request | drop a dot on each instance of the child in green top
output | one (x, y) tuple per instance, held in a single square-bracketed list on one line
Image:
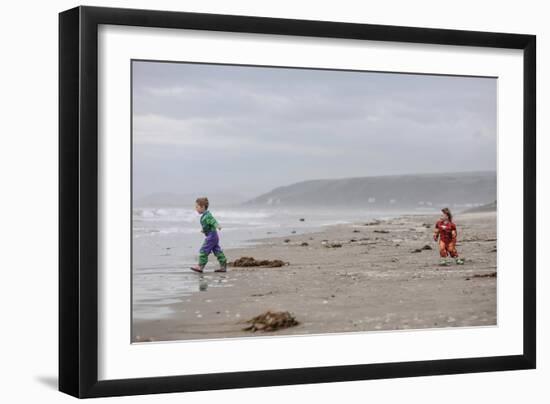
[(211, 242)]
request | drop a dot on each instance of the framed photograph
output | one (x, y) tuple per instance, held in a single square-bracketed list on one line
[(250, 201)]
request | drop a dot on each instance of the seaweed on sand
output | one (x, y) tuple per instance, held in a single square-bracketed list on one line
[(271, 321), (487, 275), (252, 262)]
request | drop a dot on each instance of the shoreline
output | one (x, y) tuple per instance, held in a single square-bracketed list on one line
[(349, 277)]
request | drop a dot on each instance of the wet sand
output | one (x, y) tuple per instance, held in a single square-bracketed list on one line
[(372, 281)]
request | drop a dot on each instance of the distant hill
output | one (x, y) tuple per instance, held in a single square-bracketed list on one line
[(388, 192)]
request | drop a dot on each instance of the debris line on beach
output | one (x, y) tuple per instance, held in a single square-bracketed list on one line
[(252, 262), (331, 244), (271, 321), (489, 275)]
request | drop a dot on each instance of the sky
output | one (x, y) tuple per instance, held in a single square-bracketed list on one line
[(203, 128)]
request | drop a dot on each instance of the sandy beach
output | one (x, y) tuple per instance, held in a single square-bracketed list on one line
[(379, 275)]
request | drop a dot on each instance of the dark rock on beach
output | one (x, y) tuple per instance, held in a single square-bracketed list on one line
[(423, 248)]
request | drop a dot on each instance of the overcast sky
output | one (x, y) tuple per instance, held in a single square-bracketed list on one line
[(203, 129)]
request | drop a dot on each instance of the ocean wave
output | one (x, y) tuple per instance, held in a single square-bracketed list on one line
[(165, 214), (164, 230), (334, 222), (227, 214), (190, 215)]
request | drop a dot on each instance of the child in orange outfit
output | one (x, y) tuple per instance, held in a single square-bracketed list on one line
[(445, 231)]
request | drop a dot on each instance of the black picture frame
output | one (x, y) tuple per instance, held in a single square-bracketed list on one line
[(78, 201)]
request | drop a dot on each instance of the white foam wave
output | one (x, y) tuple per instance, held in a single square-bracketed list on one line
[(189, 215)]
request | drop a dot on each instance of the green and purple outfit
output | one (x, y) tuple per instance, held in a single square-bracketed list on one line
[(211, 243)]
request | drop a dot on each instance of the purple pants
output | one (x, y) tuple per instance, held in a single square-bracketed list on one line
[(211, 244)]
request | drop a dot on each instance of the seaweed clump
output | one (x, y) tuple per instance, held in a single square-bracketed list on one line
[(271, 321), (252, 262)]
